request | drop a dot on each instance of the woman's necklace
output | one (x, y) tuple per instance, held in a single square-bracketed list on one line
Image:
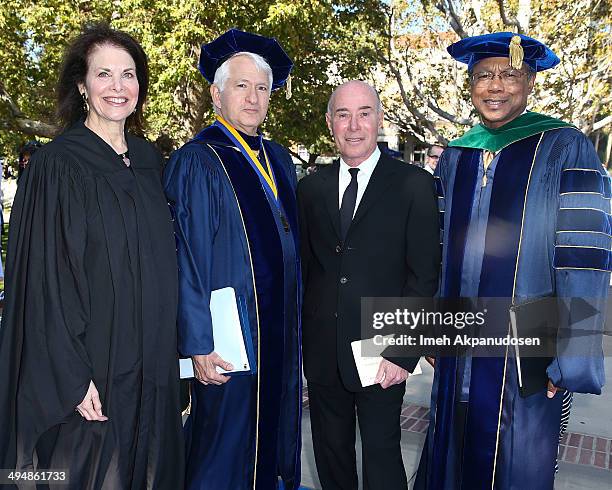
[(125, 157), (105, 136)]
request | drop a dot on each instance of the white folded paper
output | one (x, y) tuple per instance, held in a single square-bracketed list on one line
[(367, 366), (228, 336)]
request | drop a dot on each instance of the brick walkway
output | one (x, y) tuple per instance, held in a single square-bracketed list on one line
[(575, 448), (586, 450)]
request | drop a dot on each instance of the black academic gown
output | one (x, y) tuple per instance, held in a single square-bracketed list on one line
[(91, 291)]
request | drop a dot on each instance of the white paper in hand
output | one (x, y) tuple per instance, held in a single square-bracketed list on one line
[(367, 367), (227, 333)]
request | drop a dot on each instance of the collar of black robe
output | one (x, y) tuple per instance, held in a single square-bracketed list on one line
[(213, 134), (82, 140), (254, 142)]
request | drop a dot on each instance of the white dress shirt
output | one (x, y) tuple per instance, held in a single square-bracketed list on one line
[(363, 177)]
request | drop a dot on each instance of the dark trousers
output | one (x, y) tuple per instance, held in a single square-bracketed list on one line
[(332, 419)]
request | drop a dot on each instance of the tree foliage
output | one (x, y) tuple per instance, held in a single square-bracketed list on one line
[(398, 44), (327, 40), (430, 96)]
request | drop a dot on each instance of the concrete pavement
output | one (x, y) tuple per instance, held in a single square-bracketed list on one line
[(589, 435)]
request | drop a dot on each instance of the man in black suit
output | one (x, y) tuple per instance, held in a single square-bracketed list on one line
[(369, 228)]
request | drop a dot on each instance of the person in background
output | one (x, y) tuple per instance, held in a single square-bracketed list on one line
[(88, 365), (25, 154), (2, 178), (433, 155), (1, 224)]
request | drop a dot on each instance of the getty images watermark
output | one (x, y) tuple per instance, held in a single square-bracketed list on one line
[(431, 321), (486, 327)]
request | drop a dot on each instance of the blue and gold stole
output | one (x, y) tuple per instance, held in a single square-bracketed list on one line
[(265, 173)]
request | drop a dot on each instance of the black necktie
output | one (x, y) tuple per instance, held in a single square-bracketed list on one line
[(347, 208)]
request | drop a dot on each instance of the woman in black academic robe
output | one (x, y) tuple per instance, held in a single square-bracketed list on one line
[(88, 364)]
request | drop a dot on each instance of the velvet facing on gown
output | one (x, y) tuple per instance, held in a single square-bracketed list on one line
[(482, 434), (246, 433)]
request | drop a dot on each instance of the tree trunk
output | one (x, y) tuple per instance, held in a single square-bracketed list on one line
[(408, 149), (524, 15), (30, 127)]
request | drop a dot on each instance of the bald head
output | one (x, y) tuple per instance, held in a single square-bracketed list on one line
[(352, 85), (354, 117)]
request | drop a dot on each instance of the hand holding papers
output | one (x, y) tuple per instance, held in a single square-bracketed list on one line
[(232, 340), (206, 369), (367, 367)]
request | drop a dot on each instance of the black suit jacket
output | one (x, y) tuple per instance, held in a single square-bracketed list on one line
[(392, 248)]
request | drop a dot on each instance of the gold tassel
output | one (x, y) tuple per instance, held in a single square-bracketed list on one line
[(516, 53), (288, 88)]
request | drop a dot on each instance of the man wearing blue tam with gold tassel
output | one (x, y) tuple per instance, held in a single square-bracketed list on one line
[(232, 196), (525, 208)]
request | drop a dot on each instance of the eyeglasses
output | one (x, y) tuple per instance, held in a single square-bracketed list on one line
[(507, 77)]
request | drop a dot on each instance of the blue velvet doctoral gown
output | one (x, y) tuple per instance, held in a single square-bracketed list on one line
[(538, 225), (246, 433)]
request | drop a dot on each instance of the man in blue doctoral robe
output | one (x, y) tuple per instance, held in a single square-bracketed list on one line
[(524, 206), (232, 195)]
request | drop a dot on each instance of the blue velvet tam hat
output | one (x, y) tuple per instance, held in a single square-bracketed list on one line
[(235, 41), (517, 47)]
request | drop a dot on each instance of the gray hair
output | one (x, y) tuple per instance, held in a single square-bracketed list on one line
[(330, 103), (222, 73)]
